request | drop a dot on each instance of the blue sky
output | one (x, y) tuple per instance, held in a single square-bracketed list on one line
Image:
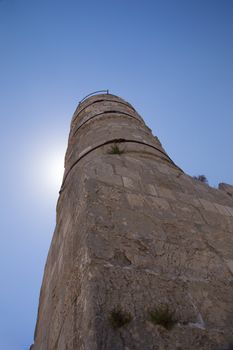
[(172, 59)]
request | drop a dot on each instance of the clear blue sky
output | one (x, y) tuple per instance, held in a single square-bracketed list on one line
[(173, 60)]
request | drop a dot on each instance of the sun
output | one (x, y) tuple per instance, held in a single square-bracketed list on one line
[(48, 170), (53, 170), (44, 167)]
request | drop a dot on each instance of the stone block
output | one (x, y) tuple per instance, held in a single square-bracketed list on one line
[(230, 265), (208, 205), (165, 193), (150, 189), (230, 209), (130, 183), (222, 209), (135, 200), (126, 172), (160, 203), (114, 180)]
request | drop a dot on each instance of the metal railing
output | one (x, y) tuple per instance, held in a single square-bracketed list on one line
[(94, 93)]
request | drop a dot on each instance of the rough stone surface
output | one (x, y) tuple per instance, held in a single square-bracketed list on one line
[(134, 233)]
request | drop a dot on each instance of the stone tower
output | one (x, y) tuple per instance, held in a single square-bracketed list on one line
[(142, 254)]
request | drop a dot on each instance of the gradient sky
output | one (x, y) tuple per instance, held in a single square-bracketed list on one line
[(173, 60)]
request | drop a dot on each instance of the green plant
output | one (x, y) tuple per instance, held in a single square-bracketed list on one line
[(115, 150), (201, 178), (163, 316), (119, 318)]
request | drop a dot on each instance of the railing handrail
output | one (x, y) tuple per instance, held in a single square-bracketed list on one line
[(93, 93)]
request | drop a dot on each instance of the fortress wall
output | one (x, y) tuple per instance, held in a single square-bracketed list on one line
[(134, 232)]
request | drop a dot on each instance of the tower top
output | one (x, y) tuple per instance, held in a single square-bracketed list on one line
[(94, 93)]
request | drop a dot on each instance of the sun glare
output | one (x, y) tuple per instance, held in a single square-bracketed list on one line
[(49, 172), (44, 167), (53, 171)]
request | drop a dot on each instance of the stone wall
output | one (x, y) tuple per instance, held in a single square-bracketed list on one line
[(135, 237)]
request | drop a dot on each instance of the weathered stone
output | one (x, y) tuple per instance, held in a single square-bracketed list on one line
[(226, 188), (134, 233)]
